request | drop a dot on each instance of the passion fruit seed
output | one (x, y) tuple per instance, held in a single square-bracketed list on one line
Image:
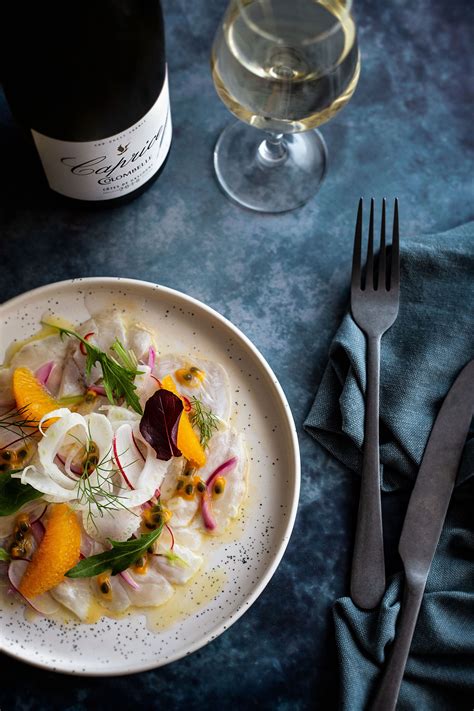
[(201, 486), (24, 526), (189, 489), (105, 587), (17, 551), (219, 486), (179, 485), (7, 455)]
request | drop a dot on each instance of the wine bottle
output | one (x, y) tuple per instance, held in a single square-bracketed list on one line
[(88, 78)]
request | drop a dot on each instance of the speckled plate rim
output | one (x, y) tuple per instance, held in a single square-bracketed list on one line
[(295, 459)]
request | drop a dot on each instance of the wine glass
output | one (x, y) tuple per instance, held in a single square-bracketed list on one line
[(284, 67)]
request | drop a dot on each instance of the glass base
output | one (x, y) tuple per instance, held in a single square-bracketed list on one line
[(269, 173)]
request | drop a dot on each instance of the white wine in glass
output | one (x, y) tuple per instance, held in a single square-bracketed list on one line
[(284, 67)]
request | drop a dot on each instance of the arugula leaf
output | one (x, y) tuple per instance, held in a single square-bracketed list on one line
[(122, 555), (14, 494), (117, 377), (4, 555)]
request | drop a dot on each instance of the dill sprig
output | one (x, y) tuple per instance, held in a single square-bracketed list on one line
[(204, 419), (98, 496), (16, 423), (118, 373)]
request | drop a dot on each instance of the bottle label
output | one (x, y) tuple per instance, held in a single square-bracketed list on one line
[(109, 167)]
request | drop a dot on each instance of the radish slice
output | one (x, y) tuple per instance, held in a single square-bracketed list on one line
[(123, 452), (222, 469), (43, 373), (170, 531), (44, 604), (128, 579), (137, 447), (82, 347)]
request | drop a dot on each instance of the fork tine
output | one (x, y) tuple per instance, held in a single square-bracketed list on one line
[(382, 277), (395, 267), (355, 280), (369, 271)]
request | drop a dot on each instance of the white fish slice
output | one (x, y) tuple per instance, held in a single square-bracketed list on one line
[(74, 595), (118, 601), (224, 446), (179, 565), (153, 589), (33, 355), (139, 340), (118, 525), (213, 391)]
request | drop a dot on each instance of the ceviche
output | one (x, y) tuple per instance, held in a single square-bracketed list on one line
[(116, 461)]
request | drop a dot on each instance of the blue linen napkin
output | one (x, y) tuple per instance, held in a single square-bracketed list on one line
[(422, 353)]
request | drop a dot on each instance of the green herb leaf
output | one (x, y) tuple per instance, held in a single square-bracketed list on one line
[(122, 555), (175, 559), (14, 494), (204, 419), (4, 555), (126, 357), (117, 378)]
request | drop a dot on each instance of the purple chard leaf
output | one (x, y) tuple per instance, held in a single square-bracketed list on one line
[(159, 424)]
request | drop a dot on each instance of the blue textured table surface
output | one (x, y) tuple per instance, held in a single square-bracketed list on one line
[(284, 281)]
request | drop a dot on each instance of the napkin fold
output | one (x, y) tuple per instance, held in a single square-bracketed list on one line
[(432, 339)]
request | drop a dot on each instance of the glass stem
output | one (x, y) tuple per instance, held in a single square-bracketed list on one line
[(272, 151)]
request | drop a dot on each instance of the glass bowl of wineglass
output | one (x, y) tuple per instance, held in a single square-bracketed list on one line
[(282, 68)]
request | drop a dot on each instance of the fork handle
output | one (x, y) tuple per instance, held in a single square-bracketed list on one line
[(387, 693), (368, 567)]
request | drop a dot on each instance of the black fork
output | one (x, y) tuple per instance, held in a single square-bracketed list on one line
[(374, 306)]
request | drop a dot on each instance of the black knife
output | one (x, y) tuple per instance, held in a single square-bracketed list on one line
[(424, 520)]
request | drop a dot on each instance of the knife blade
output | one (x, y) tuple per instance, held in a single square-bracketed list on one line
[(434, 484), (424, 521)]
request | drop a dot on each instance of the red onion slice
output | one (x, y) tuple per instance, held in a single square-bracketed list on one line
[(206, 510), (128, 579), (97, 389), (43, 373), (38, 530), (151, 357), (40, 516), (222, 469)]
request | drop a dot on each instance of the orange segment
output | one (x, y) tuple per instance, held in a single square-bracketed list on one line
[(56, 554), (31, 397), (188, 441)]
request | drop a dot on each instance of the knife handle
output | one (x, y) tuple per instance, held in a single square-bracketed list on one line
[(368, 567), (387, 694)]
